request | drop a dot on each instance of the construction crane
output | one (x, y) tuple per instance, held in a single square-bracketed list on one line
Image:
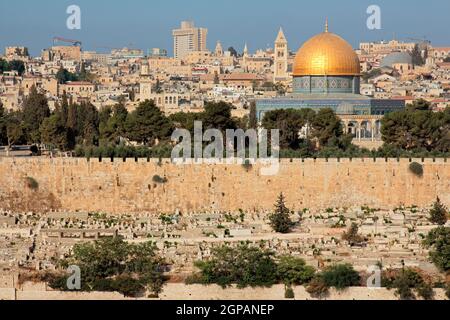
[(73, 42)]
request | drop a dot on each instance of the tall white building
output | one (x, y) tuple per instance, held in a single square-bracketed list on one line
[(188, 39)]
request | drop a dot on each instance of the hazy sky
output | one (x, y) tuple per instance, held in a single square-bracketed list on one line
[(148, 23)]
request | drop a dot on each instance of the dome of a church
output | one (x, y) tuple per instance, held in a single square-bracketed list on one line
[(396, 58), (326, 54)]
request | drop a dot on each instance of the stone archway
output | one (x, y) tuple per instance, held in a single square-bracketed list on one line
[(365, 130), (352, 128)]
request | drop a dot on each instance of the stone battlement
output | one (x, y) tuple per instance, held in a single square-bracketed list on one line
[(39, 160)]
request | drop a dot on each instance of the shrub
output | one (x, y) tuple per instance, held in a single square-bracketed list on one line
[(438, 240), (426, 291), (165, 219), (289, 293), (280, 220), (43, 276), (340, 276), (294, 271), (352, 236), (111, 264), (128, 286), (124, 284), (317, 288), (158, 179), (243, 265), (404, 291), (439, 213), (405, 281), (58, 282), (416, 168), (32, 183)]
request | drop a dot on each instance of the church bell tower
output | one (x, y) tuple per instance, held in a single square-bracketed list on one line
[(281, 58)]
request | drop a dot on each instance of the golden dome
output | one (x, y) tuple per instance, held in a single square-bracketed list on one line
[(326, 54)]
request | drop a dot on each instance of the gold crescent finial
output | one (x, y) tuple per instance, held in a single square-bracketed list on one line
[(326, 25)]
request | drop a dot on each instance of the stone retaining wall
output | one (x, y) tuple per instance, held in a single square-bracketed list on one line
[(161, 186)]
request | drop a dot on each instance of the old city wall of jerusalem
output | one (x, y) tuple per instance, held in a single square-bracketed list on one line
[(159, 186)]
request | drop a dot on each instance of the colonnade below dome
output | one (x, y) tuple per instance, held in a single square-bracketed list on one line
[(363, 128)]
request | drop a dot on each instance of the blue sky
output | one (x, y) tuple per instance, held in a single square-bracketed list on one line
[(148, 23)]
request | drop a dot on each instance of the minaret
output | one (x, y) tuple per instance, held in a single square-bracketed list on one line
[(145, 83), (219, 50), (245, 56), (326, 25), (281, 58), (245, 50)]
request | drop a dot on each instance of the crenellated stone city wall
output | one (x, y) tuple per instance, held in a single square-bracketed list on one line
[(77, 184)]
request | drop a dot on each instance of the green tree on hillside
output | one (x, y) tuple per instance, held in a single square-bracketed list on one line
[(4, 66), (35, 110), (88, 121), (438, 240), (244, 266), (289, 122), (252, 120), (280, 220), (63, 109), (54, 133), (340, 276), (63, 76), (405, 281), (3, 132), (111, 264), (83, 75), (439, 213), (15, 131), (147, 124), (217, 115), (16, 65), (418, 105), (414, 129), (327, 128), (294, 271), (72, 116), (112, 123), (185, 120)]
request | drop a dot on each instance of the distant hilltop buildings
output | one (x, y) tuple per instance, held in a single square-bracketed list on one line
[(386, 46), (380, 76)]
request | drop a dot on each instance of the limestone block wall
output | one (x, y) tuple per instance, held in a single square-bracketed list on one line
[(129, 186), (180, 291)]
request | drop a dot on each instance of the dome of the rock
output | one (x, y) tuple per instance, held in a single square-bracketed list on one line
[(326, 54)]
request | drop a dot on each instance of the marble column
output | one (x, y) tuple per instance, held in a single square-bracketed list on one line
[(372, 129)]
